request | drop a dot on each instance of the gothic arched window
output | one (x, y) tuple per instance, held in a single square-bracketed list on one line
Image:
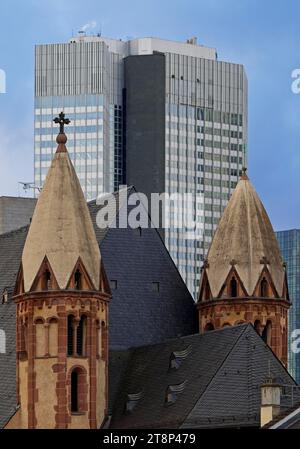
[(71, 335), (78, 384), (81, 336), (209, 327), (47, 280), (266, 333), (257, 326), (74, 391), (78, 280), (264, 288), (233, 288)]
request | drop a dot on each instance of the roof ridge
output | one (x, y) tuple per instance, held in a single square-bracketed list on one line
[(14, 231), (246, 326), (182, 337)]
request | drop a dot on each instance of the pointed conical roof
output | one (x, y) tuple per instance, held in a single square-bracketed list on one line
[(61, 228), (244, 238)]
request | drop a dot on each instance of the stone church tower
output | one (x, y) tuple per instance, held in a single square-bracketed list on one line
[(62, 297), (243, 278)]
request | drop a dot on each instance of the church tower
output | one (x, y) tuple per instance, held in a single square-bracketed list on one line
[(62, 298), (243, 277)]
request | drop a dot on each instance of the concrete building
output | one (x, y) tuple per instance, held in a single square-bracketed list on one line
[(163, 116), (289, 242), (15, 212)]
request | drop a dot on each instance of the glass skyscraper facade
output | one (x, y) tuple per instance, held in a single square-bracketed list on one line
[(206, 143), (289, 242), (85, 80), (164, 116)]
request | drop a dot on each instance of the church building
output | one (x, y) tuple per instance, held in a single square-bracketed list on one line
[(170, 363)]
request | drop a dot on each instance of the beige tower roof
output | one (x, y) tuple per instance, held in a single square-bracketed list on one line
[(244, 237), (61, 227)]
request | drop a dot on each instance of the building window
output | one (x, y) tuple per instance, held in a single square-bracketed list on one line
[(81, 336), (78, 280), (40, 341), (70, 335), (74, 391), (23, 339), (132, 401), (53, 337), (47, 280), (266, 333), (209, 327), (257, 326), (78, 393), (264, 288), (5, 297), (233, 288), (113, 284), (155, 287)]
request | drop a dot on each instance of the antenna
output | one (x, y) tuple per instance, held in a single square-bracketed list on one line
[(99, 34)]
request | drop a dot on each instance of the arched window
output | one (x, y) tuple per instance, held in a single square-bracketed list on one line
[(266, 333), (81, 336), (78, 394), (78, 280), (233, 288), (207, 291), (209, 327), (70, 335), (257, 326), (74, 391), (264, 288), (47, 280)]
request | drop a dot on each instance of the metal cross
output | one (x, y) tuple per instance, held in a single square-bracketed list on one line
[(62, 121)]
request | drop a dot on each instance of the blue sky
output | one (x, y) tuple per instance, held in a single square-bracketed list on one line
[(262, 35)]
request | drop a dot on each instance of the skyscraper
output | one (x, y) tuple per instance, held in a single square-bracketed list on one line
[(289, 243), (161, 115)]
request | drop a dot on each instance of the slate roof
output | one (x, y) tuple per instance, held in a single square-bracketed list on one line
[(138, 314), (222, 376), (11, 246)]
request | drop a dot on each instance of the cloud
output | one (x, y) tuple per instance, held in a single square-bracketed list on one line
[(89, 26)]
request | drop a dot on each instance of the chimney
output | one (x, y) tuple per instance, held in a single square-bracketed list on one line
[(270, 401)]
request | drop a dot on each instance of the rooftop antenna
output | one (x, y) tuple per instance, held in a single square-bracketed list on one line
[(99, 34)]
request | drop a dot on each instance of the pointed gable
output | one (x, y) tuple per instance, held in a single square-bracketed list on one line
[(61, 227), (245, 236)]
